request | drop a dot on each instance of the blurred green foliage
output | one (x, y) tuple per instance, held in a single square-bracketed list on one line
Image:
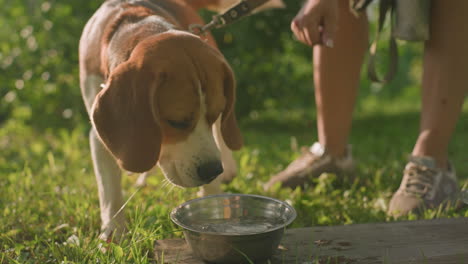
[(39, 62)]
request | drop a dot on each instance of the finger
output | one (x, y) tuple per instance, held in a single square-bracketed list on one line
[(307, 38), (312, 33), (300, 37), (306, 31), (295, 28)]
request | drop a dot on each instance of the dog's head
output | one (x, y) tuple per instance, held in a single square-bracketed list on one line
[(160, 106)]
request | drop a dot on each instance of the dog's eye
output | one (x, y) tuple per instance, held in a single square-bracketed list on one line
[(179, 124)]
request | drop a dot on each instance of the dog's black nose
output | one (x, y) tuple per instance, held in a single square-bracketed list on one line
[(210, 170)]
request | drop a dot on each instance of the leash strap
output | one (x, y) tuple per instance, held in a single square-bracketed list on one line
[(244, 8), (386, 6)]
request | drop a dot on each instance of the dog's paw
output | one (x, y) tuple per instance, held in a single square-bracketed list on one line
[(112, 235), (114, 230)]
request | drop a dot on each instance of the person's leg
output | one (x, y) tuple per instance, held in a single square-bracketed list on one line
[(336, 76), (445, 79), (428, 179)]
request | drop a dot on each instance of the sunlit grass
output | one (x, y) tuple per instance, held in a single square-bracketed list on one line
[(49, 207)]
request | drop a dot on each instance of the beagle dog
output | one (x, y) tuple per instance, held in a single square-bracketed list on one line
[(156, 95), (167, 98)]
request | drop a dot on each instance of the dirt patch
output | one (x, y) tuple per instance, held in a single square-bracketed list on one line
[(322, 242)]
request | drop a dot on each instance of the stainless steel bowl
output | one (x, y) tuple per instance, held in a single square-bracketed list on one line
[(233, 228)]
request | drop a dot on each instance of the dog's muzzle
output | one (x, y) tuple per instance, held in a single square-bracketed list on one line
[(210, 170)]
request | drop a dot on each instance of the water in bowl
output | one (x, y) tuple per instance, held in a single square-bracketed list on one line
[(238, 226)]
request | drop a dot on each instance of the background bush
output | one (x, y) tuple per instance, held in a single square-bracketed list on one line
[(39, 62)]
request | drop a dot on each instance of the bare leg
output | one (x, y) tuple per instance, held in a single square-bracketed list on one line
[(444, 87), (336, 76), (445, 79)]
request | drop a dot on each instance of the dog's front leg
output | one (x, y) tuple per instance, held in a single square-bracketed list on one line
[(142, 178), (213, 187), (108, 176), (229, 164)]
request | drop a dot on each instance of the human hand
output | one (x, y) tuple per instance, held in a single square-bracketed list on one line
[(316, 22)]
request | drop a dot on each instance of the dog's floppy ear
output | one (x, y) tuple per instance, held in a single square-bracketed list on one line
[(124, 116), (229, 127)]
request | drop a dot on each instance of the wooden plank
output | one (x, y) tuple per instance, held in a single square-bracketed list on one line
[(425, 241)]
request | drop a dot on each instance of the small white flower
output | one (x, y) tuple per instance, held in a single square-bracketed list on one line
[(73, 240)]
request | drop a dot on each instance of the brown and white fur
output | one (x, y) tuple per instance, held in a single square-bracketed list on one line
[(167, 99)]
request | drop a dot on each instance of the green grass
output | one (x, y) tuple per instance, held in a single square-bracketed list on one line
[(48, 195)]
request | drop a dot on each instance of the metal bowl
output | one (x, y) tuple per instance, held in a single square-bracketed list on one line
[(233, 228)]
